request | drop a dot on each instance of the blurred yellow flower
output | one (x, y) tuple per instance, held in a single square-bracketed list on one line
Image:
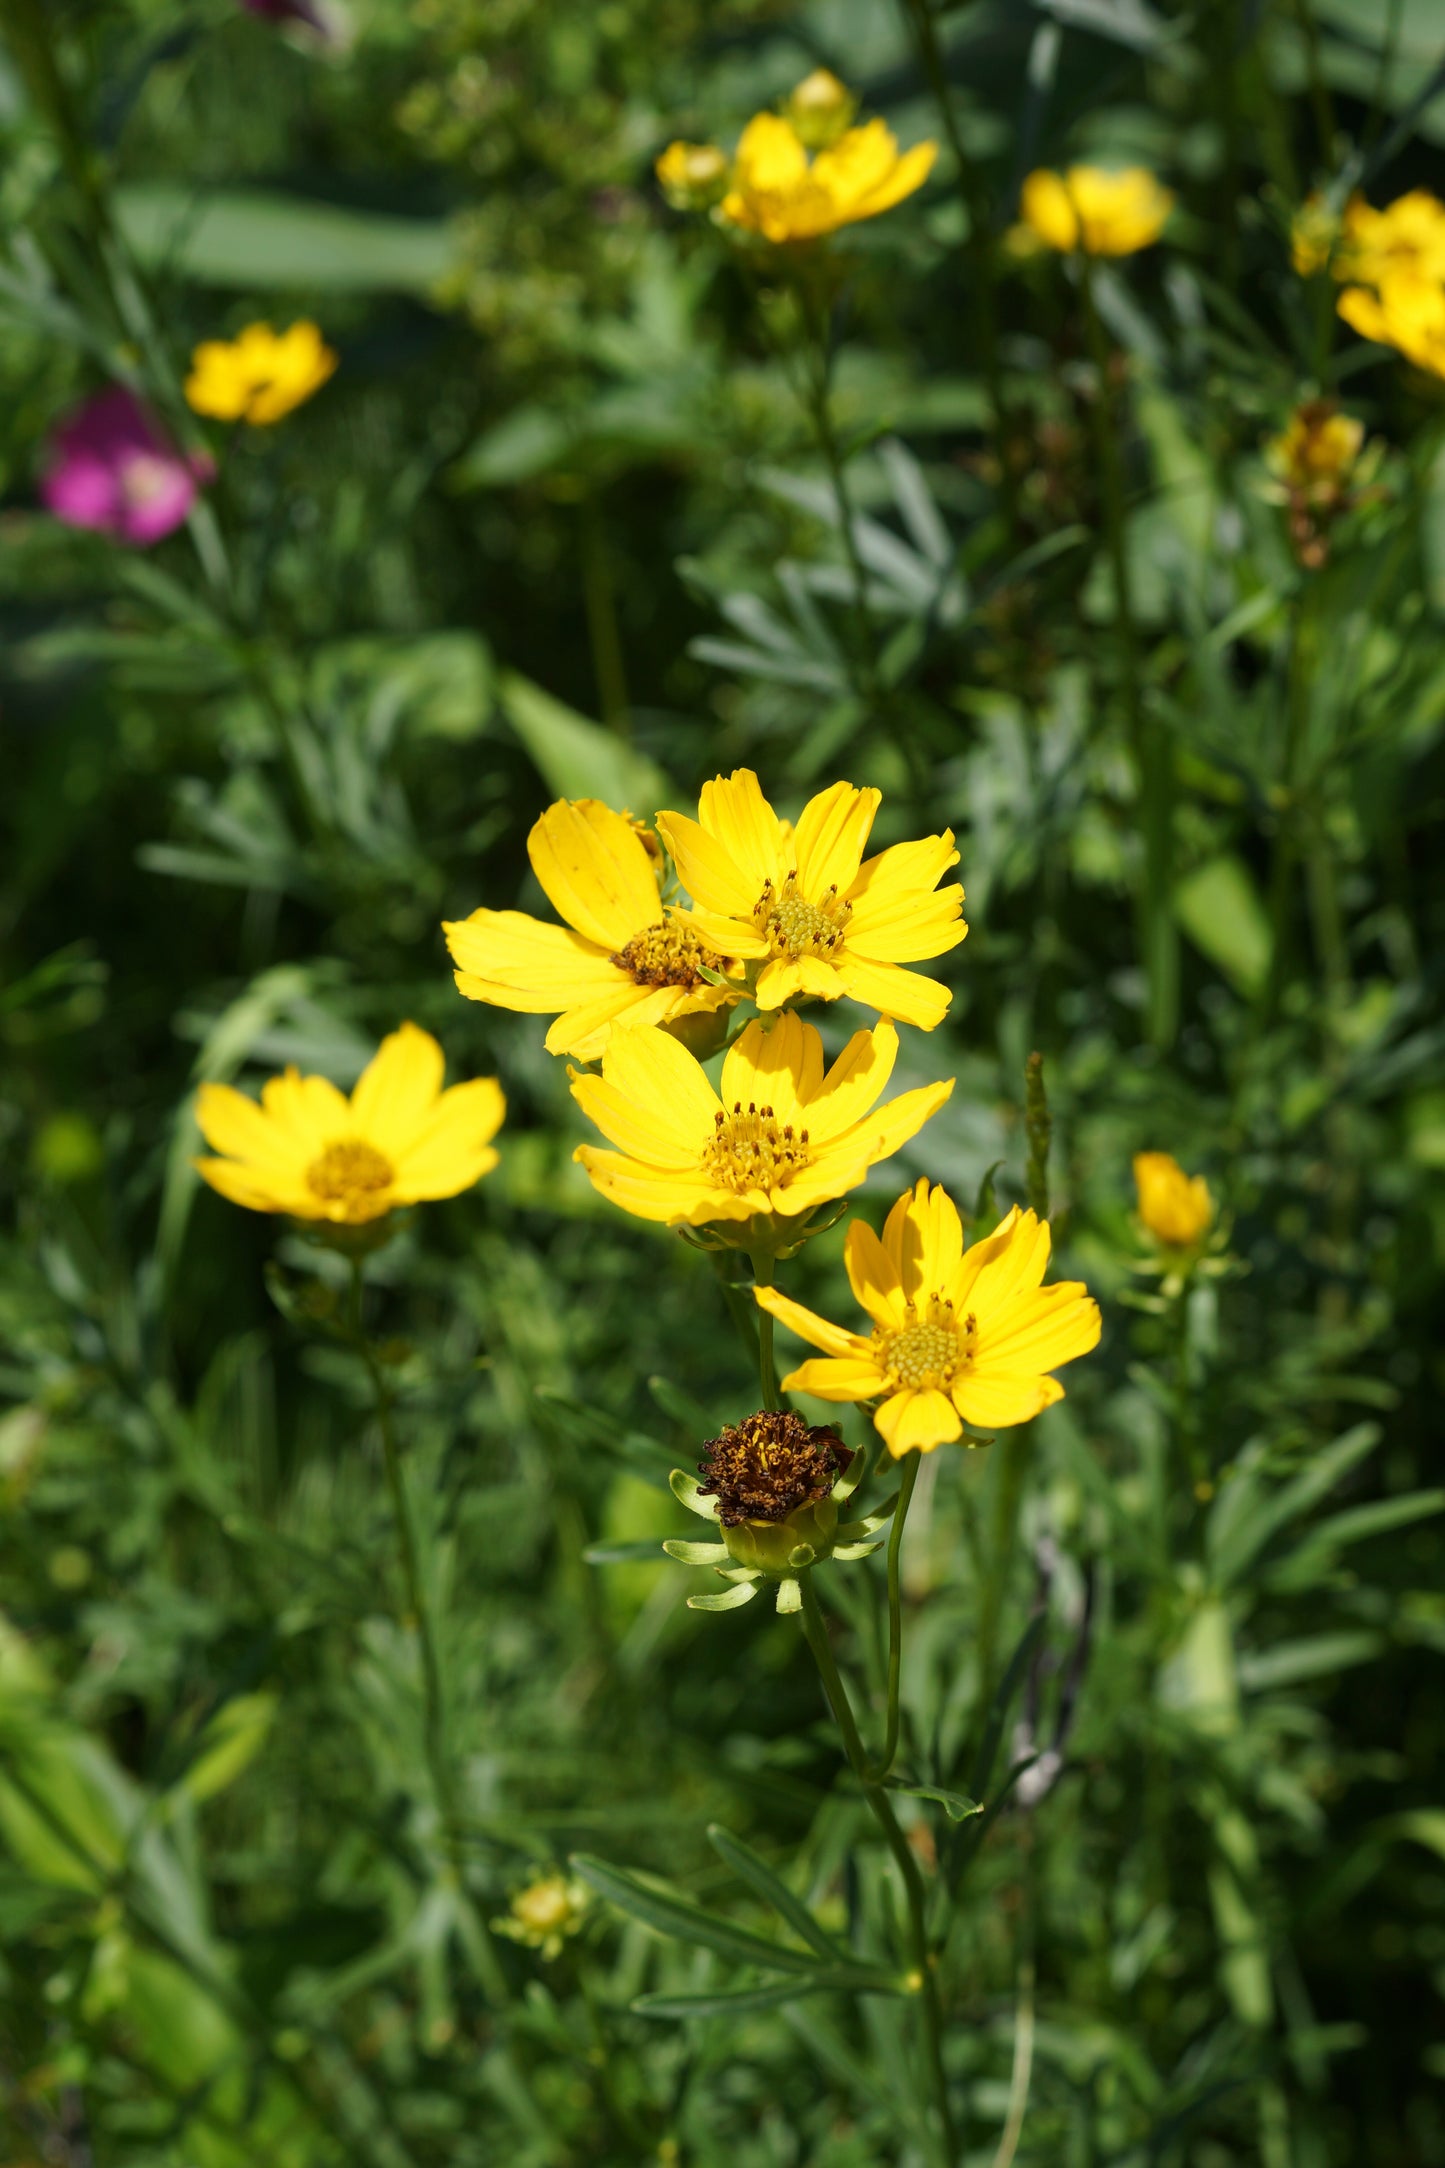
[(1175, 1207), (1102, 212), (1407, 238), (782, 1138), (546, 1913), (620, 957), (805, 904), (820, 109), (310, 1151), (1407, 312), (260, 376), (1314, 234), (1316, 451), (693, 176), (778, 193), (959, 1336)]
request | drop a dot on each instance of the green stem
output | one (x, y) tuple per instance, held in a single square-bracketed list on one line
[(418, 1620), (767, 1367), (816, 1630), (1158, 938), (1286, 844), (908, 1476)]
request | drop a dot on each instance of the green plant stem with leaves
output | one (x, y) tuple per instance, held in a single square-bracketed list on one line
[(1153, 758), (817, 358)]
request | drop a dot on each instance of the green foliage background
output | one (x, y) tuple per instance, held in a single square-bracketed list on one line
[(559, 526)]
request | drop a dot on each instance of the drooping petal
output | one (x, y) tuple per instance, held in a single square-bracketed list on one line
[(995, 1400), (915, 1420), (830, 838), (595, 872), (808, 1325), (782, 979), (397, 1091), (670, 1195), (906, 996), (584, 1031), (515, 961), (453, 1149), (831, 1378)]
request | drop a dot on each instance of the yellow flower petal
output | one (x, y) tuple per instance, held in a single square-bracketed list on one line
[(900, 915), (923, 1237), (830, 838), (734, 810), (709, 873), (827, 1378), (1012, 1265), (453, 1150), (906, 996), (255, 1188), (233, 1124), (584, 1031), (855, 1081), (310, 1109), (915, 1421), (657, 1193), (1053, 1325), (595, 872), (518, 962), (398, 1089), (996, 1401), (807, 1324), (782, 980), (873, 1277), (652, 1099), (781, 1068)]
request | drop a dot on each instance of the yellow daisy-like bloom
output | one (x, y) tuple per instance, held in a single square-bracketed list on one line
[(804, 903), (309, 1150), (1317, 449), (1104, 213), (782, 1138), (260, 376), (693, 176), (1407, 312), (959, 1336), (546, 1914), (1407, 238), (778, 193), (1175, 1207), (620, 958)]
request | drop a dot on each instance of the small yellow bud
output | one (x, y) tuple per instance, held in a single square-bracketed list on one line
[(1314, 231), (1175, 1207), (693, 176), (546, 1913), (821, 109)]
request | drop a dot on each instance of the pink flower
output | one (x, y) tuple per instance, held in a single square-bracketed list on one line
[(111, 468)]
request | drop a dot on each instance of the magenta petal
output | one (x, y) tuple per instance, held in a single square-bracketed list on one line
[(113, 469)]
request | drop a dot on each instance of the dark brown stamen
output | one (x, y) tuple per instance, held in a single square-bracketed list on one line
[(768, 1465)]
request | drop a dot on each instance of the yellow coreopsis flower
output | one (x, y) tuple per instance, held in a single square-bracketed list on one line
[(1317, 449), (783, 1137), (260, 376), (959, 1335), (309, 1150), (1102, 212), (1407, 312), (805, 905), (546, 1914), (779, 193), (1406, 238), (619, 958), (1175, 1207), (693, 176)]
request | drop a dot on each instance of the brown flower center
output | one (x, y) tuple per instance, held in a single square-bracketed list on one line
[(796, 927), (354, 1175), (768, 1466), (930, 1349), (666, 955), (751, 1149)]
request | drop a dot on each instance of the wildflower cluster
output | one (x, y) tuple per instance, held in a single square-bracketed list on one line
[(1391, 266)]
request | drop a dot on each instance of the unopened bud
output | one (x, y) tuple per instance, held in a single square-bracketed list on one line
[(693, 176), (820, 109)]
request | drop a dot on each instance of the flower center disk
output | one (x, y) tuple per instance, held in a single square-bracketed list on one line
[(352, 1174), (768, 1465), (930, 1349), (797, 927), (751, 1149), (665, 955)]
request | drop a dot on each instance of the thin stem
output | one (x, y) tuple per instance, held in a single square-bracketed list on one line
[(418, 1620), (908, 1476), (1286, 847), (816, 1630), (767, 1367), (818, 364), (1158, 940)]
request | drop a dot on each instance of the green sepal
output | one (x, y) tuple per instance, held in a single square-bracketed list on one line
[(687, 1491), (729, 1601), (695, 1554), (852, 1475), (847, 1552), (802, 1554), (790, 1596)]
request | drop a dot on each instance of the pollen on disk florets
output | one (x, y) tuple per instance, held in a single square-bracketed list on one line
[(931, 1348), (768, 1466), (751, 1149), (352, 1174), (797, 927), (665, 955)]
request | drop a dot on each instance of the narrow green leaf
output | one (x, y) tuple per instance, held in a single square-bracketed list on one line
[(734, 2001), (956, 1805), (685, 1922), (760, 1878), (1236, 1541)]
